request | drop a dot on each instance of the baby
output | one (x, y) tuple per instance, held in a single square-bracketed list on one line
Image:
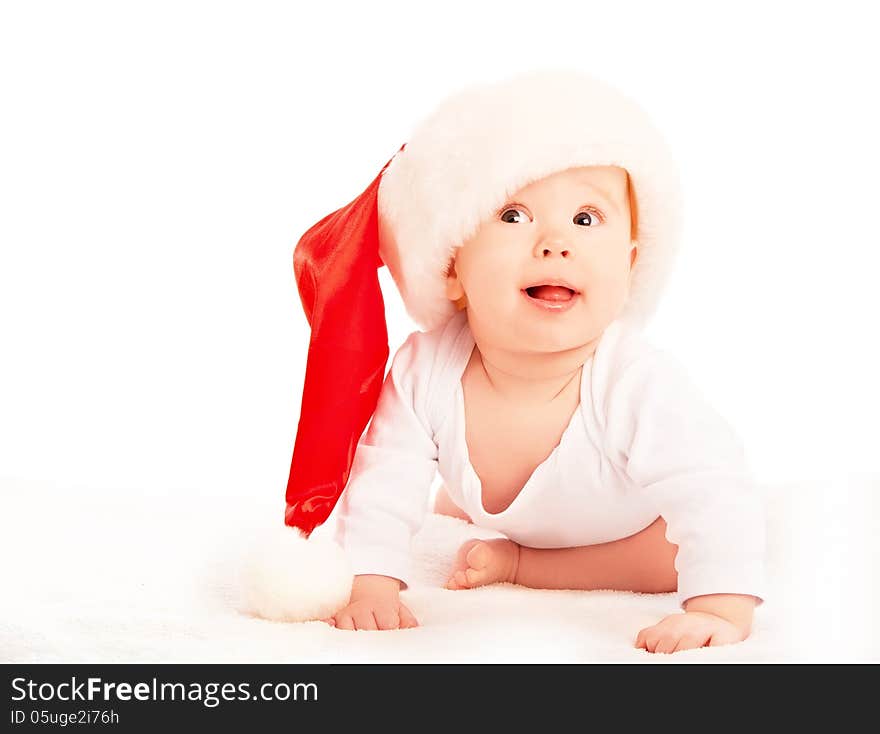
[(555, 424)]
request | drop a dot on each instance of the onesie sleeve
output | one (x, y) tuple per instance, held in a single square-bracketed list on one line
[(386, 497), (687, 460)]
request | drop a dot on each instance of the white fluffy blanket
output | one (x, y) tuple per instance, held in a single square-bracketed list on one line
[(91, 576)]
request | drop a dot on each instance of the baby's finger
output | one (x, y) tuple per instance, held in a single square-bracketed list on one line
[(667, 643), (688, 642), (407, 619), (387, 619), (330, 621), (364, 620), (461, 580), (474, 576), (344, 622), (651, 640), (640, 639)]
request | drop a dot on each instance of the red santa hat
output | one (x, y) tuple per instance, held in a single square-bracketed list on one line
[(460, 165)]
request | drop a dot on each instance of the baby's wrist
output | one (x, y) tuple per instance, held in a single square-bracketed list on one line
[(374, 585), (738, 609)]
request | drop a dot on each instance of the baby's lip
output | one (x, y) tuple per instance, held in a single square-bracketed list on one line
[(552, 281)]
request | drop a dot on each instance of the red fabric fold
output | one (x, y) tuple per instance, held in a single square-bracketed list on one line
[(336, 265)]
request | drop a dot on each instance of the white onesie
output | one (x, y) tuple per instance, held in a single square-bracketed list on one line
[(642, 443)]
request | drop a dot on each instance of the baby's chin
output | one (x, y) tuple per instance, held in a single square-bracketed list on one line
[(524, 327), (561, 345), (551, 339)]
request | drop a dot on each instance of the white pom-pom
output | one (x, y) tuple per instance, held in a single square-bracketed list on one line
[(289, 578)]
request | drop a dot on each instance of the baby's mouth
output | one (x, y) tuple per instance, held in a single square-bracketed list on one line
[(550, 292)]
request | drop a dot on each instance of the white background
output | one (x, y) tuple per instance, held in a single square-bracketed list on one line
[(159, 161)]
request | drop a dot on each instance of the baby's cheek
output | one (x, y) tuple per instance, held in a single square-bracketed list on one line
[(607, 295)]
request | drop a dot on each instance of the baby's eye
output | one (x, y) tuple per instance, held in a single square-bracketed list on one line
[(592, 218), (509, 209)]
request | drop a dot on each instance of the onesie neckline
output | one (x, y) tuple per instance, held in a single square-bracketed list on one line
[(473, 491)]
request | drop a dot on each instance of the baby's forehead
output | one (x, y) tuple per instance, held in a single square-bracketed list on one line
[(607, 180), (597, 175), (610, 179)]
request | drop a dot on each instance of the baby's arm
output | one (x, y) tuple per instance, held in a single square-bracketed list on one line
[(687, 461), (386, 497)]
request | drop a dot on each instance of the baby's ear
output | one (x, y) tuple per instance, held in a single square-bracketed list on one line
[(453, 285), (454, 290)]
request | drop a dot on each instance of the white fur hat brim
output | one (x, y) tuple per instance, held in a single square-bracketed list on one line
[(488, 141)]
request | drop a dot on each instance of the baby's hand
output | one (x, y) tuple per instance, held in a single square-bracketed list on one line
[(374, 605), (687, 630)]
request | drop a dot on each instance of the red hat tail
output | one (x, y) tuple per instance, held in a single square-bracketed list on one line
[(336, 264)]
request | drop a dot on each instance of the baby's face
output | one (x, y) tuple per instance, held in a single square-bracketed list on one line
[(573, 225)]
